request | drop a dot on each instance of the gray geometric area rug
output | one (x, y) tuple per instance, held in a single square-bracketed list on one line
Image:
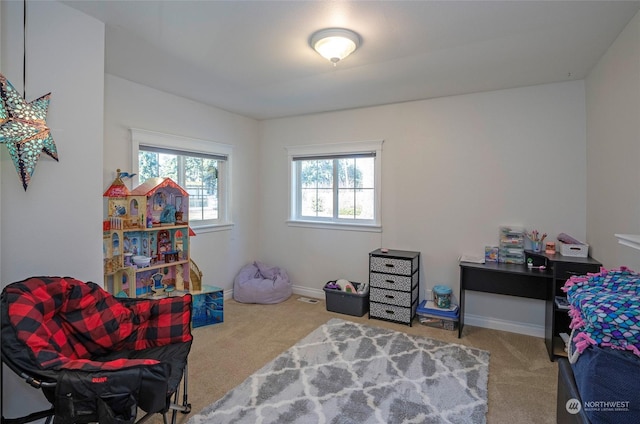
[(349, 373)]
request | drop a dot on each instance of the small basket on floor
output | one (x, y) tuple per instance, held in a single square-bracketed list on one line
[(356, 304)]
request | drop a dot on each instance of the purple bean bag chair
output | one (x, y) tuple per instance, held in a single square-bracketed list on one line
[(261, 283)]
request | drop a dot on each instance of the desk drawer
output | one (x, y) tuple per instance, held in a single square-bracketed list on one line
[(524, 283), (393, 297), (564, 271), (392, 282)]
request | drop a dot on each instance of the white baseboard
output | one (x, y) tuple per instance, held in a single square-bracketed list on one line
[(504, 325), (309, 292), (475, 320), (304, 291)]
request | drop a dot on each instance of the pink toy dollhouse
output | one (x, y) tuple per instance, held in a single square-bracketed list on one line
[(146, 238), (160, 200)]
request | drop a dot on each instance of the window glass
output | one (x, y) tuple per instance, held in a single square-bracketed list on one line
[(198, 176), (316, 181), (203, 172), (336, 187)]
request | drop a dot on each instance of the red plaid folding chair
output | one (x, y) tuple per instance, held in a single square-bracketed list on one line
[(96, 358)]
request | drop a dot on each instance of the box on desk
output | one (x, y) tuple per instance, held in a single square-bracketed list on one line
[(575, 250)]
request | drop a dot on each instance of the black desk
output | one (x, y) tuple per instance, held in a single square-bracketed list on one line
[(508, 279), (518, 280)]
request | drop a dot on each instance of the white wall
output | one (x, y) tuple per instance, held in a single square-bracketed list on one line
[(454, 169), (613, 149), (219, 255), (51, 228)]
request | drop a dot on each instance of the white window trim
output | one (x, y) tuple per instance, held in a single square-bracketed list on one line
[(335, 149), (188, 144)]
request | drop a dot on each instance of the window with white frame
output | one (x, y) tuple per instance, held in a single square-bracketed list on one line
[(336, 185), (200, 167)]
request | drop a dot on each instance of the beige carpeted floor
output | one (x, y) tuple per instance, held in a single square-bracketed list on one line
[(522, 380)]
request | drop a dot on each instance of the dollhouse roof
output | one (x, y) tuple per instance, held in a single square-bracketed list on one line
[(152, 185), (117, 189)]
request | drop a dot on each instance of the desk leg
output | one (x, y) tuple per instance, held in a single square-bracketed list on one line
[(461, 306)]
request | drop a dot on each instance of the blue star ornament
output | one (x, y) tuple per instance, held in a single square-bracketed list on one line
[(23, 128)]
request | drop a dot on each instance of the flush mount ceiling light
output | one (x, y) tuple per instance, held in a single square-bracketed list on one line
[(334, 44)]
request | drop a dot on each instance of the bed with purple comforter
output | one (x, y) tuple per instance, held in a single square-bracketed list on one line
[(604, 348)]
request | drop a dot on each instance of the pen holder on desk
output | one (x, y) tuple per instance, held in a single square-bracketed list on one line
[(536, 240)]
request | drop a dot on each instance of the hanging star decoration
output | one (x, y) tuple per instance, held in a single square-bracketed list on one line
[(23, 128)]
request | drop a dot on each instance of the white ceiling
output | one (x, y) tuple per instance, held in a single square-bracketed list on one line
[(253, 57)]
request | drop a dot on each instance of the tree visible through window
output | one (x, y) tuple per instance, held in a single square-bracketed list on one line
[(351, 198), (201, 167), (336, 184), (197, 175)]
